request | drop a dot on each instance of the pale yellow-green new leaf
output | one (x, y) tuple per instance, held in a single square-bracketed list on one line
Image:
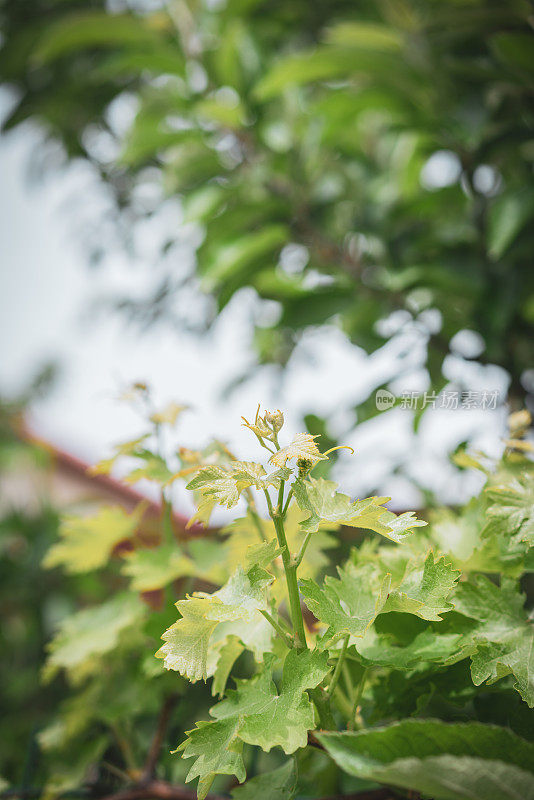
[(88, 634), (130, 448), (155, 568), (186, 642), (169, 414), (320, 499), (233, 610), (87, 542), (302, 447)]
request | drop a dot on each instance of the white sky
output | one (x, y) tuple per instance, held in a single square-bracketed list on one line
[(46, 289)]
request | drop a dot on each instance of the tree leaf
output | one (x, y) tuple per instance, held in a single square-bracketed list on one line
[(507, 216), (441, 760), (93, 29)]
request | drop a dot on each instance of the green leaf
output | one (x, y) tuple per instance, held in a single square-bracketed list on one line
[(350, 604), (511, 510), (239, 257), (186, 642), (235, 605), (428, 646), (218, 485), (440, 760), (224, 485), (229, 652), (217, 751), (258, 714), (280, 784), (504, 639), (87, 542), (85, 636), (366, 35), (155, 568), (425, 587), (302, 448), (320, 498), (507, 216), (514, 50)]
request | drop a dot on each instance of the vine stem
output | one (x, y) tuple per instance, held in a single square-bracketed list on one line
[(298, 558), (288, 500), (357, 700), (278, 628), (339, 666), (289, 569)]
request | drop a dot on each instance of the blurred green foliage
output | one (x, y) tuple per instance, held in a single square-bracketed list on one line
[(345, 160)]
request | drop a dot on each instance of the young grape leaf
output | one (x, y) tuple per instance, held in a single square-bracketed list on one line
[(348, 604), (280, 784), (302, 447), (258, 714), (237, 602), (217, 750), (155, 568), (262, 554), (428, 646), (186, 642), (87, 542), (229, 652), (224, 485), (320, 499), (169, 414), (154, 468), (90, 633), (504, 638), (130, 448), (441, 760), (218, 485), (511, 510), (425, 587)]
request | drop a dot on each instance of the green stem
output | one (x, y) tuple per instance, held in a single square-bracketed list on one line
[(257, 522), (291, 574), (357, 701), (322, 704), (339, 665), (288, 500), (278, 628), (298, 559), (166, 520)]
